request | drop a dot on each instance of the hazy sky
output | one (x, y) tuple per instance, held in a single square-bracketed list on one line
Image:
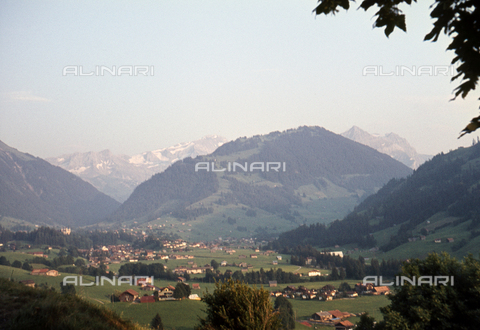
[(231, 68)]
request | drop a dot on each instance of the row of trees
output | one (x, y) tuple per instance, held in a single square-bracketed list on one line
[(80, 239)]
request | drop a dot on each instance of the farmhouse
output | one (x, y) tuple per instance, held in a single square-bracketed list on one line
[(378, 290), (337, 314), (129, 295), (322, 316)]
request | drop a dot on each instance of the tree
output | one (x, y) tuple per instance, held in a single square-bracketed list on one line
[(27, 266), (455, 305), (366, 322), (214, 264), (236, 306), (157, 323), (344, 287), (182, 290), (286, 314), (456, 18), (4, 261), (17, 264)]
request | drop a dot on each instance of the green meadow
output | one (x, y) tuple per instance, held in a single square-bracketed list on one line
[(184, 314)]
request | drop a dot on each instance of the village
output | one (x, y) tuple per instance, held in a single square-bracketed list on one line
[(189, 262)]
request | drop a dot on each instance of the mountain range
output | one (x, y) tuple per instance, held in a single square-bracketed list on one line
[(34, 190), (321, 176), (118, 175), (390, 144)]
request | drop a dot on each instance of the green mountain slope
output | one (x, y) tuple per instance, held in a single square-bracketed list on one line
[(321, 176), (439, 201)]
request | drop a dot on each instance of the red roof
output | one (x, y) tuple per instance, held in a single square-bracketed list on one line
[(345, 323), (147, 299), (336, 314), (131, 292), (42, 270)]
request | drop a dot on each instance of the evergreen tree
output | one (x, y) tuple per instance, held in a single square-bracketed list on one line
[(157, 323)]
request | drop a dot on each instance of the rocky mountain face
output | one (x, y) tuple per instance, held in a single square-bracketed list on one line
[(390, 144), (34, 190), (118, 175)]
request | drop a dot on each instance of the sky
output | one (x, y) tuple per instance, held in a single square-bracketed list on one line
[(186, 69)]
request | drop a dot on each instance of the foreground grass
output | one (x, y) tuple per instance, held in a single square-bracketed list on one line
[(27, 308)]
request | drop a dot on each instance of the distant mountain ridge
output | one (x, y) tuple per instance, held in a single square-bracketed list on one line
[(118, 175), (325, 175), (32, 189), (390, 144)]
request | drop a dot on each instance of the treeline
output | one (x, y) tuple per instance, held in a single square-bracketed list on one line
[(157, 270), (345, 267), (80, 239), (253, 277), (350, 230)]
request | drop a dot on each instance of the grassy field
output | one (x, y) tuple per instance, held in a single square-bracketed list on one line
[(184, 314)]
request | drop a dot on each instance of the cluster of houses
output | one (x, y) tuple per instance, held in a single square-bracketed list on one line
[(159, 293), (328, 292)]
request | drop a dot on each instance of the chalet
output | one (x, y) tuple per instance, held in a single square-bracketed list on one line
[(129, 295), (181, 279), (438, 240), (449, 240), (322, 316), (29, 283), (253, 256), (223, 263), (147, 299), (272, 283), (344, 325), (279, 257), (381, 290), (45, 272), (166, 292), (274, 262)]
